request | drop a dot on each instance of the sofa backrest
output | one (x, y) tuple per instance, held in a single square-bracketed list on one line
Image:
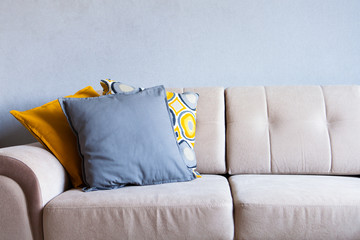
[(293, 130), (210, 129)]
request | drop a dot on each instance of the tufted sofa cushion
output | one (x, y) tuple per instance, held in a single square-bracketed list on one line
[(293, 129)]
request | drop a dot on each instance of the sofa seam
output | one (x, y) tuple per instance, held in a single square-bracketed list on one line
[(283, 121), (244, 205), (141, 207), (268, 126), (308, 173), (327, 128)]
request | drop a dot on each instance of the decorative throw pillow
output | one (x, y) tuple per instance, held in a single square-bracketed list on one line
[(49, 126), (182, 112), (138, 146), (110, 86)]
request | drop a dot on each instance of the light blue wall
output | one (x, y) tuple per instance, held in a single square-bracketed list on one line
[(53, 48)]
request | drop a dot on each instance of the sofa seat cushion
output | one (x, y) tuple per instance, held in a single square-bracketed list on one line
[(199, 209), (296, 207)]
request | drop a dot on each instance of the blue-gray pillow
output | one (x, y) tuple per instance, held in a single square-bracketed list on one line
[(126, 139), (182, 108)]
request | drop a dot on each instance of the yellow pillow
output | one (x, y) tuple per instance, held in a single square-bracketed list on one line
[(49, 126)]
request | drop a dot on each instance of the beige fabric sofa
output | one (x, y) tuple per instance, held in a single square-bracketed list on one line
[(277, 163)]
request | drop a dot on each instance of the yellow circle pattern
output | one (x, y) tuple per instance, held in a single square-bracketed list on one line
[(188, 124)]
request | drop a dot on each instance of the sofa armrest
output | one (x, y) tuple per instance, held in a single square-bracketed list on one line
[(38, 174)]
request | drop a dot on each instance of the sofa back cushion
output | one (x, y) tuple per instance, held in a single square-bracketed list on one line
[(293, 129), (210, 129)]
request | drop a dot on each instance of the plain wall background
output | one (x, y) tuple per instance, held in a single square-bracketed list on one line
[(50, 49)]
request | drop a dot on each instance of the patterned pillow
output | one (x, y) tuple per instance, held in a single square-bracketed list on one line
[(182, 108), (110, 86)]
